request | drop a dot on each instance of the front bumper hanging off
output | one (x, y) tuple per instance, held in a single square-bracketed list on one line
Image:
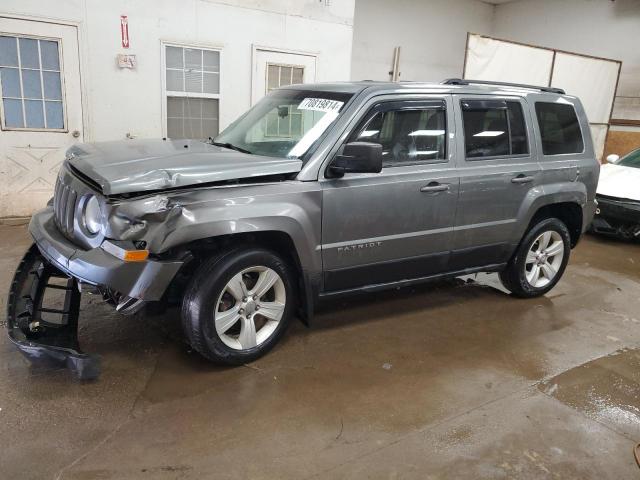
[(54, 262), (41, 341)]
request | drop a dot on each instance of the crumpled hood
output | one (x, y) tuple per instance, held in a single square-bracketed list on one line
[(128, 166), (619, 181)]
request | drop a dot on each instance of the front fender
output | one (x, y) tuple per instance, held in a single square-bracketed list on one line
[(171, 220)]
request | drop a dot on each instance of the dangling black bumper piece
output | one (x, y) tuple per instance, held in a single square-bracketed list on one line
[(44, 342)]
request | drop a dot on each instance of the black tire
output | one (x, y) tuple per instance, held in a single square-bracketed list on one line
[(206, 288), (513, 277)]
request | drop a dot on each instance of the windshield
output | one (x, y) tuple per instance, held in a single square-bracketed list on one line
[(285, 123), (631, 159)]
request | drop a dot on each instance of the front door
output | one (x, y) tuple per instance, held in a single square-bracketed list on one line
[(40, 111), (274, 69), (498, 168), (397, 224)]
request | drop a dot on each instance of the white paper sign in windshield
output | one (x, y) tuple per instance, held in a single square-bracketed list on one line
[(320, 105)]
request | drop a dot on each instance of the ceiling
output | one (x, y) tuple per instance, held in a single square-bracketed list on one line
[(497, 2)]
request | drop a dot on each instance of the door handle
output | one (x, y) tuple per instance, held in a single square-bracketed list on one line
[(522, 179), (434, 187)]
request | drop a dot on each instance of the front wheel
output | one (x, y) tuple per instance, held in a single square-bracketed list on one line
[(238, 305), (540, 260)]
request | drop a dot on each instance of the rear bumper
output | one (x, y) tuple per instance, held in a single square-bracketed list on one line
[(146, 280), (588, 214)]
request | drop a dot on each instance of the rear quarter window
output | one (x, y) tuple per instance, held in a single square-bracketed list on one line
[(559, 128)]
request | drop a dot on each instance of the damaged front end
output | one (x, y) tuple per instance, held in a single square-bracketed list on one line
[(46, 335), (45, 326), (130, 247)]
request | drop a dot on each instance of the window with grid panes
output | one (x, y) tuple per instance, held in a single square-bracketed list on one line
[(279, 125), (192, 90), (31, 83)]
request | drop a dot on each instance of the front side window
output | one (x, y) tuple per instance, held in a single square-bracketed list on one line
[(494, 128), (192, 91), (559, 128), (407, 135), (309, 112), (31, 84)]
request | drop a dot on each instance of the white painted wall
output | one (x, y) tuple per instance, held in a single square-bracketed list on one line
[(120, 101), (432, 34), (117, 102), (594, 27)]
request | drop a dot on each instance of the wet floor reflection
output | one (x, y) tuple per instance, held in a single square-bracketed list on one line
[(607, 389)]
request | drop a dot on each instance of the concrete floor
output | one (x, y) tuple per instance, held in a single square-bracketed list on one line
[(455, 380)]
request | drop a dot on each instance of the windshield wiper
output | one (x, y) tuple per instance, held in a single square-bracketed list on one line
[(228, 145)]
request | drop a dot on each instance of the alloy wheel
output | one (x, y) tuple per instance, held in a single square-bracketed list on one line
[(250, 308), (544, 259)]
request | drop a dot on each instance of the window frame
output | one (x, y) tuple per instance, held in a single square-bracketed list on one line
[(267, 91), (527, 127), (173, 93), (539, 129), (406, 105), (280, 65), (63, 100)]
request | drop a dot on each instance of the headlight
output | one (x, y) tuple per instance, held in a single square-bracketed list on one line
[(92, 215)]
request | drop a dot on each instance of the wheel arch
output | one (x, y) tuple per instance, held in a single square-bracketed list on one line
[(278, 241), (565, 201), (570, 213)]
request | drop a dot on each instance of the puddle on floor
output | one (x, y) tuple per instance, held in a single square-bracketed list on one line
[(607, 389)]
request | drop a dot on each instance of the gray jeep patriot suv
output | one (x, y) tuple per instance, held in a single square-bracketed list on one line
[(316, 191)]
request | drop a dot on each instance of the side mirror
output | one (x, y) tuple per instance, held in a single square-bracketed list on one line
[(613, 158), (357, 157)]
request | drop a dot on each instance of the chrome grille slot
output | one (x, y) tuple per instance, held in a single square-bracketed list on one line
[(64, 206), (71, 208), (56, 201)]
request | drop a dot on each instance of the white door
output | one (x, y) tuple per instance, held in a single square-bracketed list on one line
[(40, 110), (273, 69)]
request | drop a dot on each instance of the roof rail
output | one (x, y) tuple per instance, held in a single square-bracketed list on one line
[(460, 81)]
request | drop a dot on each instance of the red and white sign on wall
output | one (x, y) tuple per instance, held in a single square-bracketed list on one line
[(124, 31)]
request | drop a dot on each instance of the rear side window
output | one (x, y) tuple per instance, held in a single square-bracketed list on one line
[(494, 128), (559, 129)]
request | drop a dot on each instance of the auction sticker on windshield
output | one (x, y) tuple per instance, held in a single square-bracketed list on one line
[(320, 105)]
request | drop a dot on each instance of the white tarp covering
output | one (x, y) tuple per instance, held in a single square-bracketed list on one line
[(489, 59), (590, 79)]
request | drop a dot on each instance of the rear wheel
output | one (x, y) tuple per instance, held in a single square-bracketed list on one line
[(238, 305), (540, 260)]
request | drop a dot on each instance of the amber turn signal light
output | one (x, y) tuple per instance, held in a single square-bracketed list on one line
[(135, 255), (123, 251)]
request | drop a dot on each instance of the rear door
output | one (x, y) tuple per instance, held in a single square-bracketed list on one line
[(40, 109), (498, 168), (396, 224)]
